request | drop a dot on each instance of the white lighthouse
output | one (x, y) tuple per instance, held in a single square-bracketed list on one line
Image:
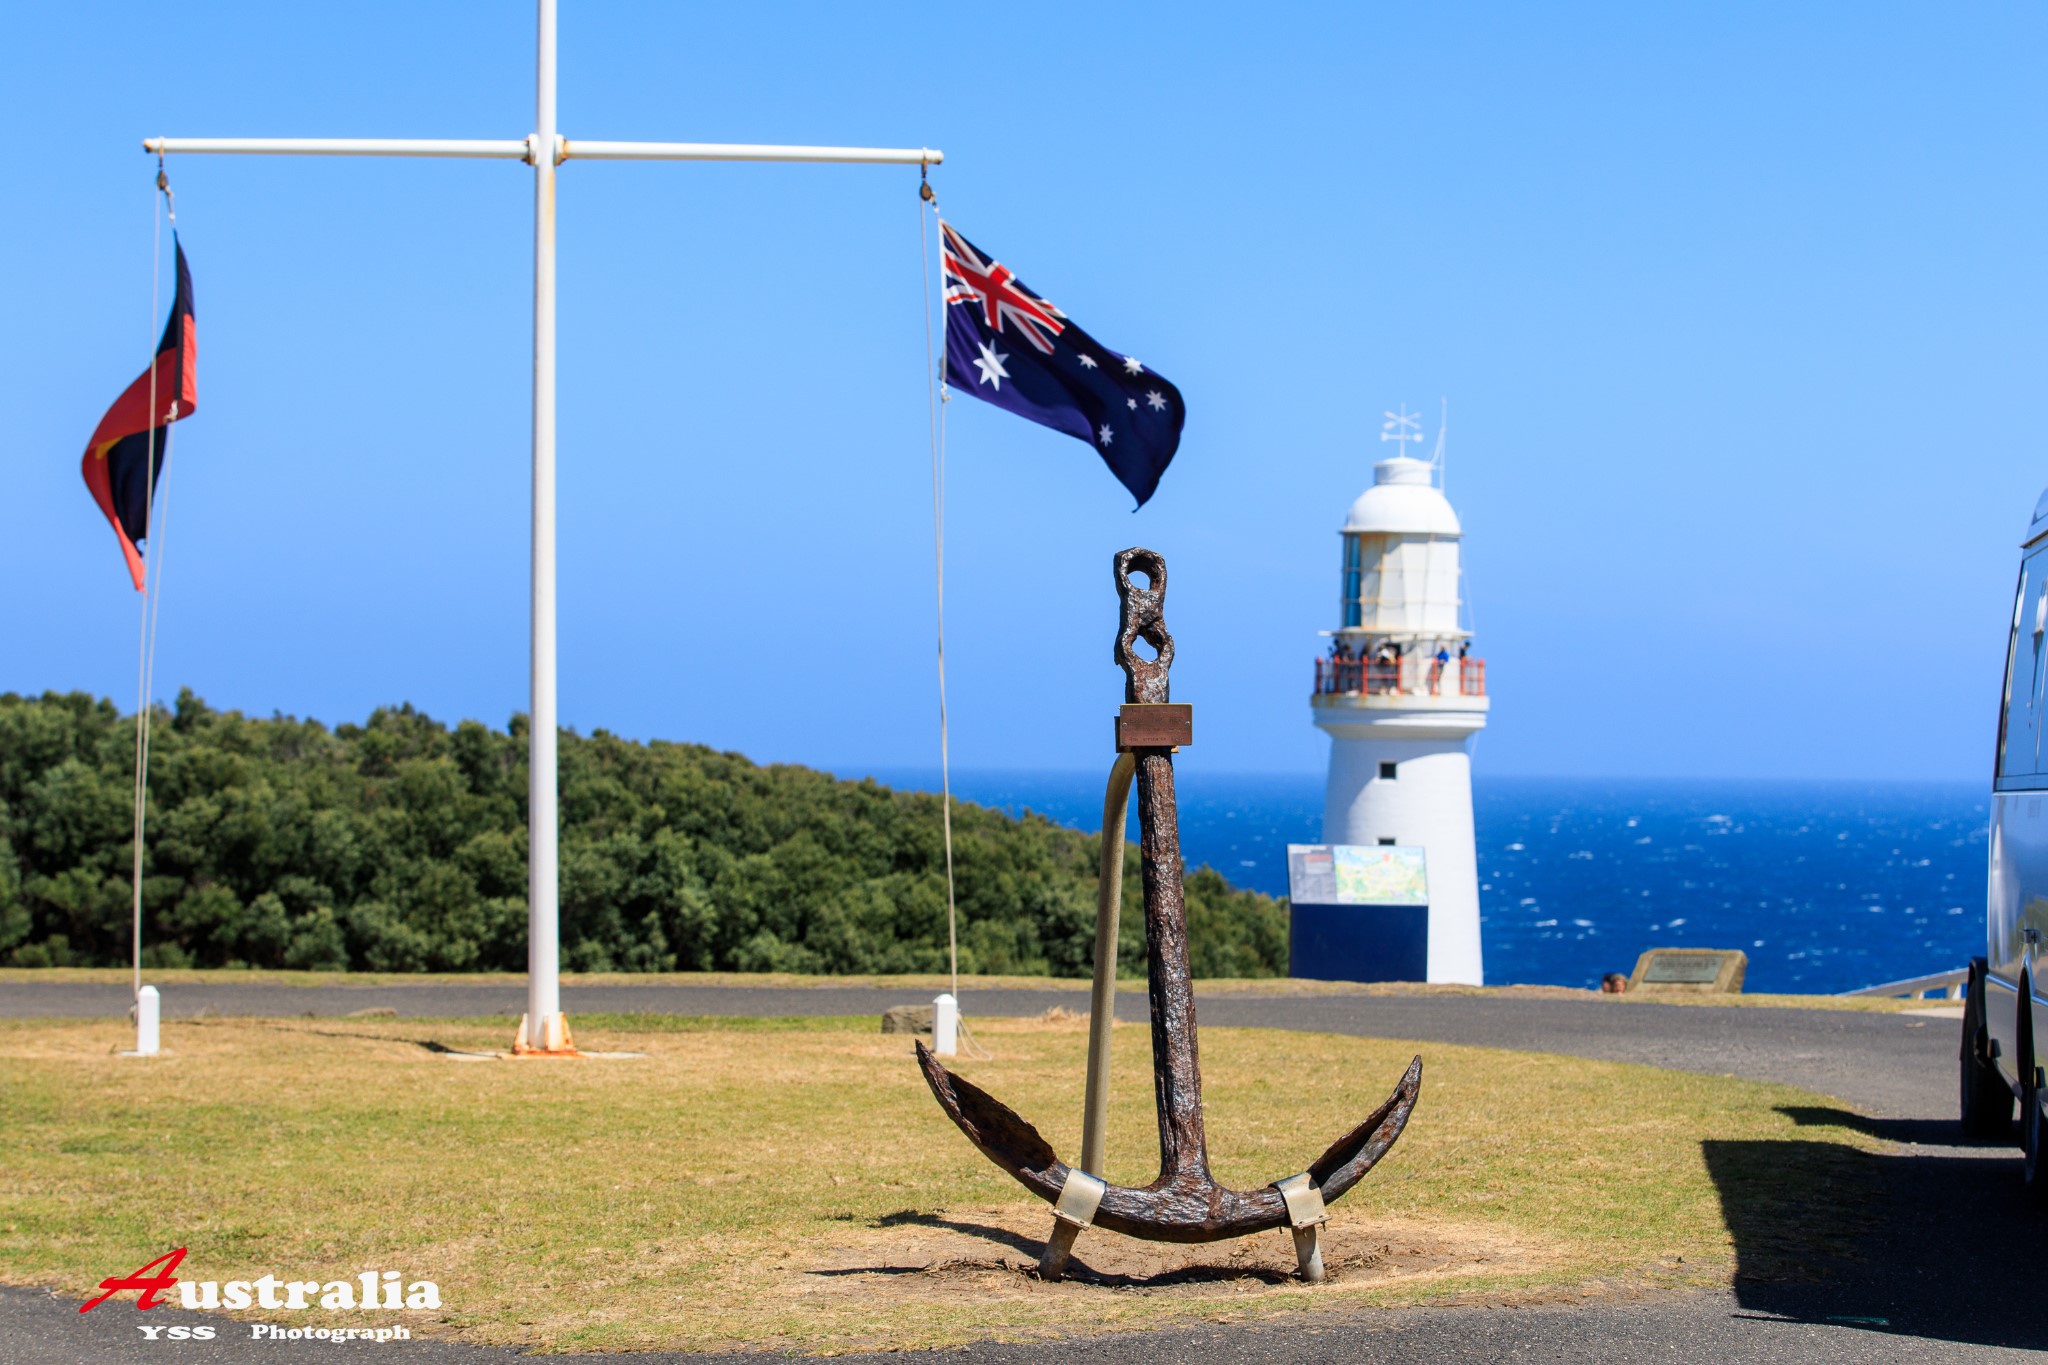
[(1401, 700)]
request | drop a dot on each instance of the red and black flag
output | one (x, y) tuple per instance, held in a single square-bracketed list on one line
[(126, 452)]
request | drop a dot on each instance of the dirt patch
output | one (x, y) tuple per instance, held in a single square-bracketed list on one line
[(993, 1252)]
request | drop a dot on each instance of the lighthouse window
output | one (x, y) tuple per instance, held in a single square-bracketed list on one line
[(1389, 771), (1354, 580)]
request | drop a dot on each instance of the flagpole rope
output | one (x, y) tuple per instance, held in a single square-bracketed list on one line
[(936, 401), (144, 633), (937, 396), (156, 597)]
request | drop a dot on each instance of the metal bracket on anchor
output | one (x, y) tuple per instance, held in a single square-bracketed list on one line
[(1080, 1197), (1305, 1216)]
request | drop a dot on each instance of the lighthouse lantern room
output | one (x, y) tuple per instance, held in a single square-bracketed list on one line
[(1402, 696)]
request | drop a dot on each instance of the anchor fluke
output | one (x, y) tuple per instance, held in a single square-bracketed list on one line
[(996, 1129), (1172, 1208), (1358, 1151)]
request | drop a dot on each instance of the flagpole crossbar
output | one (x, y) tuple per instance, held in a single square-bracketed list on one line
[(580, 149), (496, 149), (521, 149)]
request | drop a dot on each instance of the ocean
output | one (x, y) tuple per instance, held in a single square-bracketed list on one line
[(1827, 886)]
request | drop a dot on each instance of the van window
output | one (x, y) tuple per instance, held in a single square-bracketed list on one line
[(2019, 746)]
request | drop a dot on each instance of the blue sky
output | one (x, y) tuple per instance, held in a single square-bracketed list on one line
[(1739, 309)]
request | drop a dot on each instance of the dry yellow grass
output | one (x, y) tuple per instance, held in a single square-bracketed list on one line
[(792, 1184)]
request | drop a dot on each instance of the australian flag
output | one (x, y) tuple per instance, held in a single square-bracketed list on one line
[(1009, 347)]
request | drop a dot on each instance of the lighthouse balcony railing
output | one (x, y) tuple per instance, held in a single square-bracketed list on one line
[(1401, 677)]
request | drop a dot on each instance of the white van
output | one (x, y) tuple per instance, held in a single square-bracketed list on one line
[(2004, 1014)]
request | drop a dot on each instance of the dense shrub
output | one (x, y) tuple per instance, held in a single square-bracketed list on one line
[(400, 845)]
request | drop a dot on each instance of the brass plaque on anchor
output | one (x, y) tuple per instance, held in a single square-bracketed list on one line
[(1155, 725)]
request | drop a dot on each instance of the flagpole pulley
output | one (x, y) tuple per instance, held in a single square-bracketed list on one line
[(163, 187)]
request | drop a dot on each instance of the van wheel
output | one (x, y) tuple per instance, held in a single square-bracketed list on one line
[(1986, 1102), (2033, 1132)]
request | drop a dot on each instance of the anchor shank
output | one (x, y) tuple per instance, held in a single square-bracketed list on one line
[(1176, 1070)]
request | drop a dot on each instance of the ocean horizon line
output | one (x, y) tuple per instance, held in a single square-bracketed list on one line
[(883, 772)]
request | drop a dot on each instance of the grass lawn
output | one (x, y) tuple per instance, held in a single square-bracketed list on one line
[(791, 1184)]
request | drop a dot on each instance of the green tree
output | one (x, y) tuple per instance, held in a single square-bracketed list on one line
[(400, 845)]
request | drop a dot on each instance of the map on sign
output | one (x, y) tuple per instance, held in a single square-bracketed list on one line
[(1351, 874)]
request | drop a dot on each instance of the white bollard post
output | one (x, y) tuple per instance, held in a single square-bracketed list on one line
[(945, 1026), (148, 1011)]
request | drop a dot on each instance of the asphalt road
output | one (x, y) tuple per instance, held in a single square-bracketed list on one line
[(1883, 1065), (1935, 1276)]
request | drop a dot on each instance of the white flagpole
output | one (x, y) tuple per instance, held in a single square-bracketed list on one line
[(545, 1029)]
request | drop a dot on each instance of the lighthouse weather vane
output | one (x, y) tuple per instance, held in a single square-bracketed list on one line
[(1401, 426), (544, 1030)]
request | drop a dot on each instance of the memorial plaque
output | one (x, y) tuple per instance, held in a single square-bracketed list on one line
[(1701, 971), (1690, 971)]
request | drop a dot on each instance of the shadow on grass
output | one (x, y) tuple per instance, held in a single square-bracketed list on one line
[(277, 1026), (1078, 1270), (1933, 1244), (589, 1024), (648, 1022), (1919, 1132), (910, 1218)]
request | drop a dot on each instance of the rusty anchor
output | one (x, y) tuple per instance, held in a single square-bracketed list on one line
[(1184, 1204)]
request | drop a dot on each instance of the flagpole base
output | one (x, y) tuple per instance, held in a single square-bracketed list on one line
[(554, 1039)]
